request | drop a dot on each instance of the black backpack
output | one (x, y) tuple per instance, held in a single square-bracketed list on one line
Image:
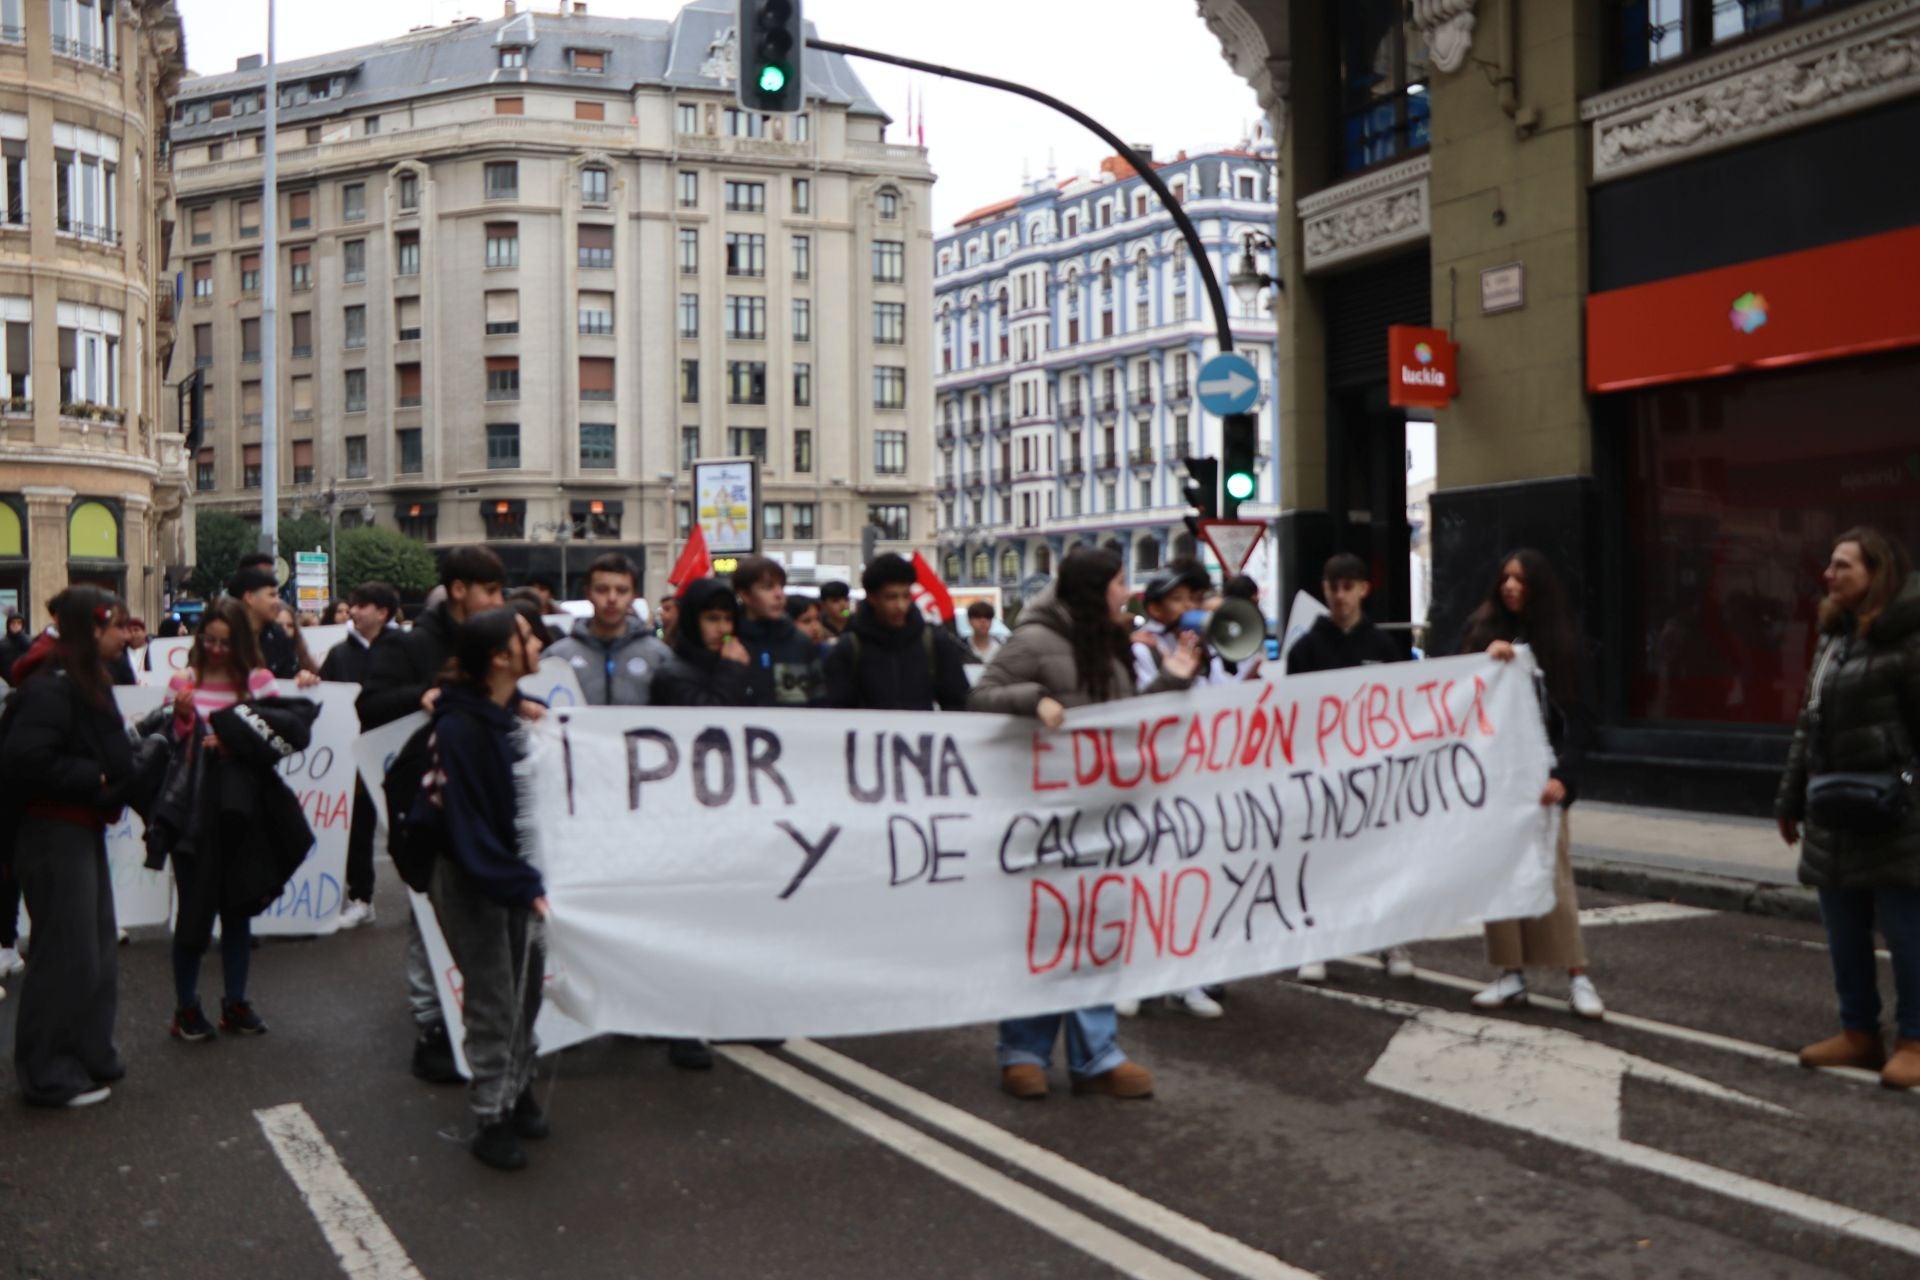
[(416, 835)]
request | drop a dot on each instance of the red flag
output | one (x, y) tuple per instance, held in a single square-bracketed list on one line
[(929, 582), (694, 562)]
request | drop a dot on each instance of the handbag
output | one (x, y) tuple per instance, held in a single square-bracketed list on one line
[(1863, 803)]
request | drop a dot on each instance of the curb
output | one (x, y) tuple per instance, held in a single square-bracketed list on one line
[(1698, 889)]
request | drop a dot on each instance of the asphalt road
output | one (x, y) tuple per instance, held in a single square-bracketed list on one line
[(1369, 1128)]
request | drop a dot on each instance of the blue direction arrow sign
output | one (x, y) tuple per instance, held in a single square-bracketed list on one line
[(1228, 384)]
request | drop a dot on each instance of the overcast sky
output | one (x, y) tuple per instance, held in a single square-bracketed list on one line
[(1147, 69)]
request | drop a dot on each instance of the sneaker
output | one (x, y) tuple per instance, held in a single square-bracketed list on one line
[(433, 1056), (191, 1025), (1399, 962), (1903, 1068), (10, 962), (1312, 973), (1127, 1008), (498, 1147), (1585, 1000), (1508, 989), (238, 1015), (1128, 1080), (690, 1055), (1200, 1004), (528, 1120), (355, 914), (1024, 1080), (90, 1098)]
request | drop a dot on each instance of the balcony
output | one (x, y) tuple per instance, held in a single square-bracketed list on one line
[(1143, 396), (497, 394), (299, 351), (16, 407), (1143, 457), (413, 401), (1076, 408), (1109, 462), (1074, 466), (83, 411), (1107, 404), (1181, 391), (976, 427), (975, 482)]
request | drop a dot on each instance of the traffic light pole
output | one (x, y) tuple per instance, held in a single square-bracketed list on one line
[(1142, 164)]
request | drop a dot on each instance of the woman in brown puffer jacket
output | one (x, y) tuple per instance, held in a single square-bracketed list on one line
[(1072, 648), (1862, 715)]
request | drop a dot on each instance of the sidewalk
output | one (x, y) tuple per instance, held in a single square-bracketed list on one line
[(1706, 860)]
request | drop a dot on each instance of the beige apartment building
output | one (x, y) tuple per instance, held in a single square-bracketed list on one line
[(92, 486), (531, 268)]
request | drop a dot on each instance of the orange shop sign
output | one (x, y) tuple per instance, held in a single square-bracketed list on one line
[(1420, 367)]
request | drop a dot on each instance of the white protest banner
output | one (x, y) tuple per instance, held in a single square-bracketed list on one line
[(320, 640), (555, 684), (140, 896), (742, 873), (373, 752), (166, 658), (322, 778), (1305, 612)]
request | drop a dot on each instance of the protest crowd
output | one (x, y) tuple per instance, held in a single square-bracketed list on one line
[(201, 770)]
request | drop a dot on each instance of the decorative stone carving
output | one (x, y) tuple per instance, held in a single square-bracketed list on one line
[(1370, 215), (1248, 51), (1447, 26), (723, 58), (1862, 56)]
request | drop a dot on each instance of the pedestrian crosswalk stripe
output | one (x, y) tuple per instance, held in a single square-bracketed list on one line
[(358, 1234)]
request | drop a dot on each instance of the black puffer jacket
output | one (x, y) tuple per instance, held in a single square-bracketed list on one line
[(1868, 722), (696, 676), (913, 667)]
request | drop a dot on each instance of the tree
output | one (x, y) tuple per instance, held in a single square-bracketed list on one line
[(302, 533), (220, 539), (373, 554)]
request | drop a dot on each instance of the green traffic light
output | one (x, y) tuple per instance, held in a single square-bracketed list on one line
[(1240, 485), (772, 79)]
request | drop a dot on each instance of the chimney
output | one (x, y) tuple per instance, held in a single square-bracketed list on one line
[(1144, 150), (511, 9), (579, 8), (252, 62)]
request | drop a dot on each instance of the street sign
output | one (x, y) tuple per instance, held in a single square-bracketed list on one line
[(1228, 384), (1233, 540), (726, 505)]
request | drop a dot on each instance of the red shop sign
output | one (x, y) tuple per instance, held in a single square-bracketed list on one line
[(1420, 367)]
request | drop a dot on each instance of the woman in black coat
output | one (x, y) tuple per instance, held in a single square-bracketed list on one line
[(1862, 716), (67, 756)]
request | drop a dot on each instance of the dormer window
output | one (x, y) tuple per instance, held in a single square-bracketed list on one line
[(513, 56), (592, 62)]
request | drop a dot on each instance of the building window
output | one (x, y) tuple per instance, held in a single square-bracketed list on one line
[(504, 518), (803, 454), (407, 446), (890, 323), (503, 446), (746, 254), (888, 205), (203, 472), (356, 457), (746, 382), (745, 124), (353, 202), (689, 447), (889, 261), (688, 187), (356, 390), (594, 182), (355, 319), (407, 192), (503, 378), (803, 384), (199, 221), (353, 261), (300, 267), (588, 62), (1382, 86), (803, 195), (889, 387), (773, 522), (502, 179), (250, 340), (690, 381), (746, 318), (406, 319), (299, 210), (513, 57), (596, 446), (596, 247), (303, 462), (890, 452), (689, 243), (503, 244), (747, 442), (689, 313), (596, 313), (203, 279), (804, 522), (686, 118), (503, 311), (802, 320), (406, 378), (891, 519), (202, 348), (250, 466), (746, 197), (589, 111), (418, 520), (509, 106), (802, 257), (803, 128), (682, 519), (406, 253), (596, 378), (249, 273), (1649, 33)]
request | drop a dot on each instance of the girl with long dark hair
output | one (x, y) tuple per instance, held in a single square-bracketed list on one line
[(1527, 605), (67, 750), (1072, 648)]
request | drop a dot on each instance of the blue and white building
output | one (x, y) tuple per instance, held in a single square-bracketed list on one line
[(1069, 331)]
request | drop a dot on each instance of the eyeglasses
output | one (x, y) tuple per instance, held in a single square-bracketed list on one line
[(215, 646)]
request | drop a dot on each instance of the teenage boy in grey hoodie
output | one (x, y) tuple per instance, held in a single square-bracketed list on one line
[(613, 653)]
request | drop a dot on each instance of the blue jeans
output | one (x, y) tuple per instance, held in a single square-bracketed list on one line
[(1091, 1049), (1850, 916)]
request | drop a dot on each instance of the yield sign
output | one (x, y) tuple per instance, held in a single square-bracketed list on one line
[(1233, 540)]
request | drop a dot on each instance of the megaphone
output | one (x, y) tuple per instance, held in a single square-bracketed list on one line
[(1236, 630)]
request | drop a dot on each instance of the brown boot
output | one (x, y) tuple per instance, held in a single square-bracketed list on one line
[(1128, 1080), (1025, 1081), (1848, 1049), (1903, 1068)]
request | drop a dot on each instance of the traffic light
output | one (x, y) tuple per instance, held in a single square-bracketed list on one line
[(1239, 438), (771, 39), (1201, 491)]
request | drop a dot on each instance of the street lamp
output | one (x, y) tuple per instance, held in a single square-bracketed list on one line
[(331, 499), (1248, 281), (564, 532)]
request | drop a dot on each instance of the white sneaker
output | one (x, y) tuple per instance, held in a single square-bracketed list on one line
[(89, 1098), (10, 962), (1312, 973), (1585, 1000), (1201, 1005), (123, 939), (1399, 962), (1127, 1008), (1507, 989), (355, 914)]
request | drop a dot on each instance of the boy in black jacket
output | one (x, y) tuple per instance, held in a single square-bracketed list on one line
[(889, 659), (710, 667), (371, 607), (785, 666)]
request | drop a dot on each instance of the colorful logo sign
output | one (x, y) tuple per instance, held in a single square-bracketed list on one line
[(1749, 312), (1420, 365), (1423, 353)]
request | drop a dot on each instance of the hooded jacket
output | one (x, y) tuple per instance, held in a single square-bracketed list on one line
[(785, 670), (1037, 662), (696, 676), (912, 667), (618, 672), (1326, 647), (58, 746), (475, 788), (349, 661), (399, 675), (1868, 722)]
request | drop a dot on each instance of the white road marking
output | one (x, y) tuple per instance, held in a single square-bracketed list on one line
[(1810, 944), (1552, 1083), (366, 1247), (1599, 917), (1096, 1239), (1149, 1215)]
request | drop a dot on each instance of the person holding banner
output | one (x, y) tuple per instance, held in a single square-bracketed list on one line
[(613, 653), (785, 669), (1072, 648), (890, 658), (67, 757), (1527, 605)]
